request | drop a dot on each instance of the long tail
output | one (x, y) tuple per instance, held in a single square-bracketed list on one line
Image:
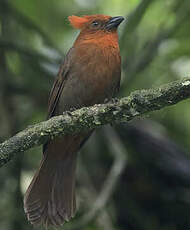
[(50, 198)]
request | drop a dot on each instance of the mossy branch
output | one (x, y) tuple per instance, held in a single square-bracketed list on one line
[(122, 110)]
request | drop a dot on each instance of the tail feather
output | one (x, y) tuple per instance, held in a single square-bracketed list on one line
[(50, 198)]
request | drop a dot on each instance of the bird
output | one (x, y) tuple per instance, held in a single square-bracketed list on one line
[(89, 74)]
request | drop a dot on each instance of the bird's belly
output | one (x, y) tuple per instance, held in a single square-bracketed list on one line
[(80, 91)]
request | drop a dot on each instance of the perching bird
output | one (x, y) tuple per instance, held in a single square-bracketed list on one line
[(89, 74)]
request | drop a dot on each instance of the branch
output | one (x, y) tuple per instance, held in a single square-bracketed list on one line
[(123, 110), (8, 45), (134, 19), (24, 20)]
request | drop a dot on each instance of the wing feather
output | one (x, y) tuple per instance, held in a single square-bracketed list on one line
[(58, 88), (59, 85)]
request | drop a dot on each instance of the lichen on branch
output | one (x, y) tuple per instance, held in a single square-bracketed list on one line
[(118, 111)]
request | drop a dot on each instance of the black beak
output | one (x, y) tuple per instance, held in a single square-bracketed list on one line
[(114, 22)]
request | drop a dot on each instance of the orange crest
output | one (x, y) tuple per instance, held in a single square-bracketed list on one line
[(77, 22)]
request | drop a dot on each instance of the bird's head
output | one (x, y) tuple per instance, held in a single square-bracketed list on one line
[(95, 23)]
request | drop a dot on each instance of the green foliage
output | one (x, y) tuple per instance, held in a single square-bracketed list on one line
[(154, 42)]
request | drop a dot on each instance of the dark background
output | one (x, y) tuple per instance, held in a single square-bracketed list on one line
[(145, 163)]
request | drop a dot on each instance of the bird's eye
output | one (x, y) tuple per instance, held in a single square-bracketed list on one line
[(95, 23)]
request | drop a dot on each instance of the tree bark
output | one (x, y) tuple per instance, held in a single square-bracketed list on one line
[(122, 110)]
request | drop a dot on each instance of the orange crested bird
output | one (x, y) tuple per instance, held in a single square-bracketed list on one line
[(89, 74)]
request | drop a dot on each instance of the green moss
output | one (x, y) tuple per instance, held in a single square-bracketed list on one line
[(123, 110)]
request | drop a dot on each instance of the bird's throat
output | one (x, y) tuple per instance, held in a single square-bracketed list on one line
[(101, 39)]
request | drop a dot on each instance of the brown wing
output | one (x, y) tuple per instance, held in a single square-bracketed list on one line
[(58, 85), (58, 88)]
